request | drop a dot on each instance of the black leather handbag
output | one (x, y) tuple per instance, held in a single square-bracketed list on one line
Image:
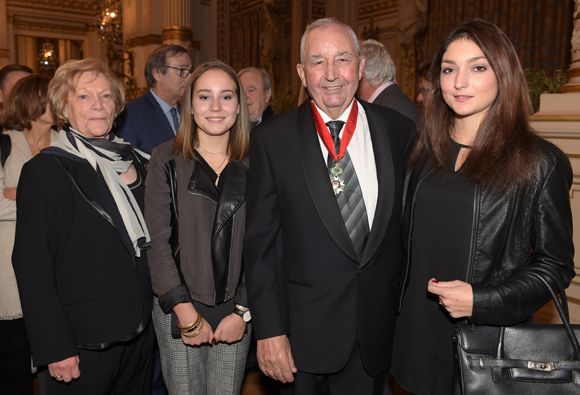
[(522, 359)]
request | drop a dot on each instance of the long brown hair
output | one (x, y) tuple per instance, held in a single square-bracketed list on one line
[(26, 102), (187, 135), (503, 151)]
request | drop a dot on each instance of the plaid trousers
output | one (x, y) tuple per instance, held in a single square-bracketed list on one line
[(216, 369)]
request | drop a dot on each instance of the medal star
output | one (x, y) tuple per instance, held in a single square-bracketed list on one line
[(337, 185)]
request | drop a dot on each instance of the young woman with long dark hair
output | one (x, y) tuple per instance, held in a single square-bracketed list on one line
[(487, 203)]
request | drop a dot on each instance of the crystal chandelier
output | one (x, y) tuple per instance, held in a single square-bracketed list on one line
[(109, 23), (47, 58)]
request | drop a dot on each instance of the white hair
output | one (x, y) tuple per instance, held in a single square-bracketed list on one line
[(379, 67), (322, 22)]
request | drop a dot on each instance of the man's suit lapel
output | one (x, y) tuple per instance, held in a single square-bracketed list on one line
[(318, 181), (162, 123), (386, 182)]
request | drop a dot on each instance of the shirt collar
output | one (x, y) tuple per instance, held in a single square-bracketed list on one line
[(164, 105), (343, 117), (379, 90)]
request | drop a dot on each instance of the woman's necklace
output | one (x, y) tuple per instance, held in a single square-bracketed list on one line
[(211, 153), (219, 167), (221, 164)]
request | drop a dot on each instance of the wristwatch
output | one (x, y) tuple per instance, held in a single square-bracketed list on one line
[(243, 312)]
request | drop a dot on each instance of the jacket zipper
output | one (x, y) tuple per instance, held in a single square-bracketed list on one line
[(419, 182), (206, 196), (203, 195), (468, 275), (230, 259)]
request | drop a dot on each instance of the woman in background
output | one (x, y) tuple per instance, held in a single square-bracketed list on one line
[(195, 211), (27, 119), (487, 203)]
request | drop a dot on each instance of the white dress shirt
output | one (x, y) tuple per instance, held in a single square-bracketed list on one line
[(362, 156)]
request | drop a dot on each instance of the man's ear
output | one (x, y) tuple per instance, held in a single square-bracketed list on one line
[(361, 70), (268, 96), (158, 75), (300, 70)]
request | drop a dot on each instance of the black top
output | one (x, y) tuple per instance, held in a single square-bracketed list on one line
[(440, 249), (137, 187), (214, 314)]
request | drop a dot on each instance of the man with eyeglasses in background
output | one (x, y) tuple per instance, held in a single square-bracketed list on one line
[(153, 118)]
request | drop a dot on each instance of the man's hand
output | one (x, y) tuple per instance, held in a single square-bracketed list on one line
[(65, 370), (275, 358), (456, 296)]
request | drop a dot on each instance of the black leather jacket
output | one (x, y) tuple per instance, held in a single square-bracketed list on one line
[(525, 229)]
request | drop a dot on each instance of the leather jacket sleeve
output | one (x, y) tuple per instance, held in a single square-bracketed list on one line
[(164, 275), (551, 253)]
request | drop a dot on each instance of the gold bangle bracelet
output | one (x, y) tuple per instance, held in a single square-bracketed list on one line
[(193, 328), (197, 332), (190, 327)]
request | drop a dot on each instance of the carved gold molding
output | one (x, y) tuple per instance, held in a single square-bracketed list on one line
[(142, 41), (87, 5), (177, 33), (244, 5), (4, 53), (408, 60), (50, 28), (222, 31), (133, 93), (318, 10), (368, 8)]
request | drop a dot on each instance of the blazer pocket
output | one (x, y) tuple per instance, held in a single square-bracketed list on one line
[(78, 293)]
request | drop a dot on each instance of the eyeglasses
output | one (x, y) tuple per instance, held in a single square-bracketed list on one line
[(182, 72)]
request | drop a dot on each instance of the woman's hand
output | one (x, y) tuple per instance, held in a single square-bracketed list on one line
[(230, 329), (205, 336), (456, 296), (65, 370), (187, 315), (10, 193)]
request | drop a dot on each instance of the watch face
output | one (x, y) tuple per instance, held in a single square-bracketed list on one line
[(247, 316)]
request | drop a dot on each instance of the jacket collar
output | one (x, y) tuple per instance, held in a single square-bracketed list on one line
[(161, 119)]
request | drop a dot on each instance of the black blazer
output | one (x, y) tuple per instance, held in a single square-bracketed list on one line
[(393, 97), (143, 123), (302, 273), (78, 284)]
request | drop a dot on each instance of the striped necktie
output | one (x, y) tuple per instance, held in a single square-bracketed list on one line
[(350, 201)]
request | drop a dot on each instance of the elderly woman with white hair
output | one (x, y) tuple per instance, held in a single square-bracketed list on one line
[(85, 285)]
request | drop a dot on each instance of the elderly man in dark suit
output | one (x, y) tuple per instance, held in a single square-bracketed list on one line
[(154, 118), (322, 249), (258, 89), (379, 82)]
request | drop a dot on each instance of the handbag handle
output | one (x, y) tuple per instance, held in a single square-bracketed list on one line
[(562, 308)]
